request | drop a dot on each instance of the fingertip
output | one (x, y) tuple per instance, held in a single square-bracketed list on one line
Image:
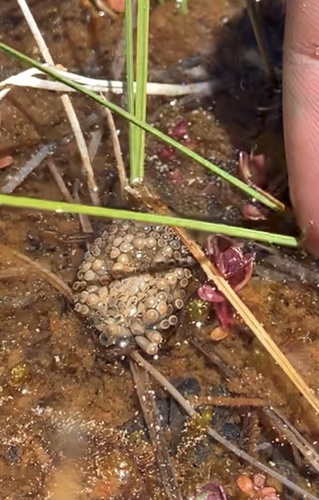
[(301, 116), (310, 239)]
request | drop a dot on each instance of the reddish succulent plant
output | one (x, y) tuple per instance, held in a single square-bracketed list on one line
[(180, 130), (235, 266), (211, 491), (255, 487)]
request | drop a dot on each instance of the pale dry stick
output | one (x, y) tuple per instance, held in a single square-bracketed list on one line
[(117, 153), (117, 69), (76, 127), (84, 220), (214, 434), (26, 79), (94, 144), (27, 169), (74, 122), (51, 278), (151, 200)]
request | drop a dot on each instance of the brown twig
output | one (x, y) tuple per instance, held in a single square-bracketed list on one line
[(253, 432), (152, 419), (59, 180), (224, 369), (254, 14), (84, 220)]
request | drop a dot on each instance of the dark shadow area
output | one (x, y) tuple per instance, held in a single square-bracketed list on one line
[(244, 101)]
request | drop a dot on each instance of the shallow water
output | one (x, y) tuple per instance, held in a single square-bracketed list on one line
[(64, 408)]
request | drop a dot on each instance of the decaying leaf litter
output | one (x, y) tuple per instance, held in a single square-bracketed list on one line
[(51, 340)]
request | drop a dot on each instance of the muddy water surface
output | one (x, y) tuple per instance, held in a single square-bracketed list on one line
[(67, 414)]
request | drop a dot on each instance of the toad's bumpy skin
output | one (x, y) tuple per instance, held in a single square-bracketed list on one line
[(132, 283)]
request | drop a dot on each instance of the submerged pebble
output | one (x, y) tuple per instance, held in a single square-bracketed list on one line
[(135, 288)]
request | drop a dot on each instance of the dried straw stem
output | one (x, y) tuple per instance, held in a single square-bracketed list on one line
[(27, 78), (117, 153), (84, 220), (58, 179), (250, 320), (155, 204)]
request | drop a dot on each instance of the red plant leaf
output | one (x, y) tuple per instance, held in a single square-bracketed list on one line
[(6, 161)]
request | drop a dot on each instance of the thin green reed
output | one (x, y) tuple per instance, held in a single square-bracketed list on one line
[(129, 54), (167, 220), (36, 204), (183, 5), (142, 40)]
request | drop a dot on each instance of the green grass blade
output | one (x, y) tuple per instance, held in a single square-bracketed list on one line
[(129, 54), (143, 14), (148, 128), (183, 6), (74, 208)]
